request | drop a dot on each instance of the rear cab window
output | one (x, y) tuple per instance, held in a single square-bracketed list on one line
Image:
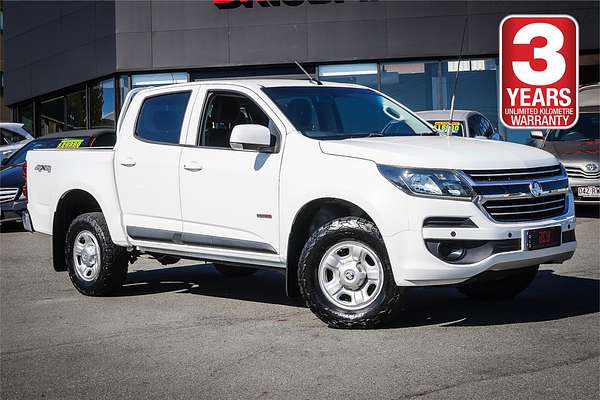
[(161, 118)]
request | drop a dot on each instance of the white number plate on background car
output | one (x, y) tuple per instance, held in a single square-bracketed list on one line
[(588, 191)]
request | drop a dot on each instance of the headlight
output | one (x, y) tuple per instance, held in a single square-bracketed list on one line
[(428, 182)]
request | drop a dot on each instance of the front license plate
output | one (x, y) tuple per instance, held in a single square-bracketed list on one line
[(543, 238), (588, 191)]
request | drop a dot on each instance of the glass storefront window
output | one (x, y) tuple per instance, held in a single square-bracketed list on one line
[(360, 74), (26, 117), (102, 104), (76, 113), (52, 114), (166, 78), (415, 85)]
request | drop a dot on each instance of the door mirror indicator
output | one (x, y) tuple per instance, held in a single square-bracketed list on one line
[(251, 137)]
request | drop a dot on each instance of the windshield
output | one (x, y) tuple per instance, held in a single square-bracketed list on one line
[(339, 113), (586, 128), (19, 156)]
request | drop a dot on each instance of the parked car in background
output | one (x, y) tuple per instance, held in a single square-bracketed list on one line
[(14, 136), (578, 148), (465, 123), (589, 95), (12, 201)]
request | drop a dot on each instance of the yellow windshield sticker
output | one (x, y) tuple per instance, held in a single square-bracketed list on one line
[(69, 144), (443, 126)]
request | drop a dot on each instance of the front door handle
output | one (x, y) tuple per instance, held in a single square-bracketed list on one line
[(128, 162), (192, 166)]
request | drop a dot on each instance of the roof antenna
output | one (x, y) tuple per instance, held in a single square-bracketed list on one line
[(310, 78), (462, 42)]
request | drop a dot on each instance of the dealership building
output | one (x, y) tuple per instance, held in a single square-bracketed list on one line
[(69, 65)]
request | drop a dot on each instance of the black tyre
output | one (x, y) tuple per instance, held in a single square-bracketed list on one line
[(97, 267), (232, 271), (345, 275), (502, 285)]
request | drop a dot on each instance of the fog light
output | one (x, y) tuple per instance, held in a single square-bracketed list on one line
[(450, 253)]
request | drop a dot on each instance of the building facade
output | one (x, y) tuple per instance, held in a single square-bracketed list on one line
[(5, 112), (69, 64)]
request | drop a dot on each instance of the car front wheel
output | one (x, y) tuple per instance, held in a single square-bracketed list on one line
[(345, 275)]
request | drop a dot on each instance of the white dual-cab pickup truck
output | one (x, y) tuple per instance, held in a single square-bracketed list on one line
[(340, 187)]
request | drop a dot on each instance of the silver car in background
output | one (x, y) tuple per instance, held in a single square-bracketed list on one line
[(14, 136), (578, 148)]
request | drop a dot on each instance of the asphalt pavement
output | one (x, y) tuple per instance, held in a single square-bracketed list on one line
[(184, 331)]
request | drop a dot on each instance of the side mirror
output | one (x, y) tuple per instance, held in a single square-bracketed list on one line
[(251, 137), (537, 135)]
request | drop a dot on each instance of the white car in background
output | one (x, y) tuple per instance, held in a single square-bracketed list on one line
[(465, 123), (14, 136)]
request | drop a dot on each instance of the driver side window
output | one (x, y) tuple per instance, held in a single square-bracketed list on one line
[(224, 111)]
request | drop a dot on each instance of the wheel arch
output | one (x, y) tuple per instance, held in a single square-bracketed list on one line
[(70, 205), (309, 217)]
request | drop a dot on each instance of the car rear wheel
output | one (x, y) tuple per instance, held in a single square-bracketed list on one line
[(345, 275), (97, 267), (502, 285)]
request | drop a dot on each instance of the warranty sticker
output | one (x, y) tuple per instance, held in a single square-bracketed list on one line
[(539, 71)]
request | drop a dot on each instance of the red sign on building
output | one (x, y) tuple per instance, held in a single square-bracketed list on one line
[(539, 71)]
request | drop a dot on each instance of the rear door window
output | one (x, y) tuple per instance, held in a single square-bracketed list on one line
[(161, 117)]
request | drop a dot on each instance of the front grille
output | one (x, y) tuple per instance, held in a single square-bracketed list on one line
[(8, 194), (507, 175), (527, 208), (575, 172)]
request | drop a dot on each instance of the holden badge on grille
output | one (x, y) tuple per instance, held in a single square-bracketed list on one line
[(536, 189)]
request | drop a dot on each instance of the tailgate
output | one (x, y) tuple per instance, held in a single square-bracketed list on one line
[(51, 173)]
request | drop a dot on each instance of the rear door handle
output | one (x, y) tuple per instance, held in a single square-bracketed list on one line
[(192, 166), (128, 162)]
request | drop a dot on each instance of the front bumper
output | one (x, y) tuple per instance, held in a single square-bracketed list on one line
[(414, 265)]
